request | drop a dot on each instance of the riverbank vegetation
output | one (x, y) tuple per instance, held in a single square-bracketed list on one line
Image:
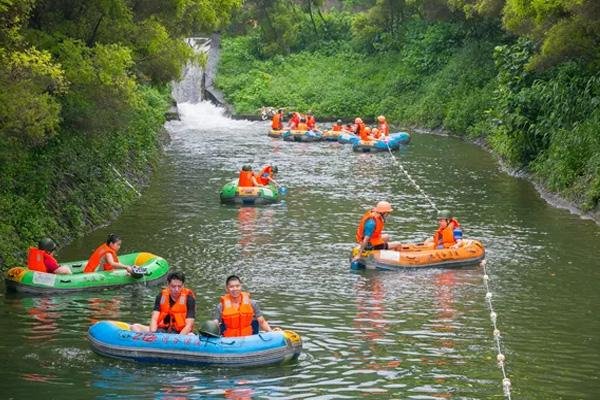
[(523, 76), (84, 90)]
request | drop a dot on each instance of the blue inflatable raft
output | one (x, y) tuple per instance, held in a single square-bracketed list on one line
[(392, 142), (116, 339), (348, 138)]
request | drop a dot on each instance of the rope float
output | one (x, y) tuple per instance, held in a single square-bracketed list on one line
[(506, 385)]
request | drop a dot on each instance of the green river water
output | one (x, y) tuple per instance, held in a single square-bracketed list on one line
[(422, 334)]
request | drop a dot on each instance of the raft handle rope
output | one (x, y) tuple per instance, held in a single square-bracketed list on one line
[(125, 180), (410, 177), (506, 385)]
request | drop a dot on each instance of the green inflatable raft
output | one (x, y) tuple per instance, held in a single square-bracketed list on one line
[(232, 194), (150, 268)]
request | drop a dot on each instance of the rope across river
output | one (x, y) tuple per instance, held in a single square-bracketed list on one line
[(500, 357)]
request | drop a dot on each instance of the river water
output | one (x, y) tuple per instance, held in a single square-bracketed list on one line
[(384, 335)]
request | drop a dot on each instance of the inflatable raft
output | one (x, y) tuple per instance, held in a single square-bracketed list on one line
[(21, 279), (348, 138), (231, 193), (275, 134), (392, 142), (331, 136), (421, 256), (302, 136), (116, 339)]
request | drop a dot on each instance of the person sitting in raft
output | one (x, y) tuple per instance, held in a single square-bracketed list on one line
[(311, 122), (302, 126), (383, 126), (237, 314), (369, 234), (174, 308), (42, 259), (277, 121), (376, 134), (358, 126), (267, 175), (247, 178), (105, 256), (365, 134), (337, 127), (449, 232), (294, 120)]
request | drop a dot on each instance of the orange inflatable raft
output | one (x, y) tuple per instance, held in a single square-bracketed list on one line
[(420, 255)]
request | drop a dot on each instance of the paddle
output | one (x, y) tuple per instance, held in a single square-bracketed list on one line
[(282, 190)]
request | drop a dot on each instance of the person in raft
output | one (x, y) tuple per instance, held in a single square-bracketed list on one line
[(277, 121), (247, 177), (383, 126), (311, 122), (449, 232), (41, 259), (337, 127), (237, 314), (174, 308), (267, 175), (369, 234), (105, 256)]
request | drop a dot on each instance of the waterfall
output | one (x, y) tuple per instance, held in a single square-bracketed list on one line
[(189, 89)]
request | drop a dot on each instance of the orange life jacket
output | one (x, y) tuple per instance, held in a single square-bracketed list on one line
[(35, 259), (364, 135), (302, 127), (375, 238), (336, 128), (262, 179), (311, 122), (444, 236), (97, 255), (276, 122), (294, 120), (177, 312), (246, 178), (237, 320), (384, 128)]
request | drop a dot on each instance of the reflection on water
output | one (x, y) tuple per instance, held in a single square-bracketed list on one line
[(410, 334)]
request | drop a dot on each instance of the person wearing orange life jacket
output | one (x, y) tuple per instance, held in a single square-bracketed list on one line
[(365, 134), (277, 121), (237, 314), (376, 134), (42, 259), (267, 175), (449, 232), (369, 234), (311, 122), (105, 256), (337, 127), (174, 308), (359, 126), (302, 126), (383, 126), (294, 120), (247, 178)]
